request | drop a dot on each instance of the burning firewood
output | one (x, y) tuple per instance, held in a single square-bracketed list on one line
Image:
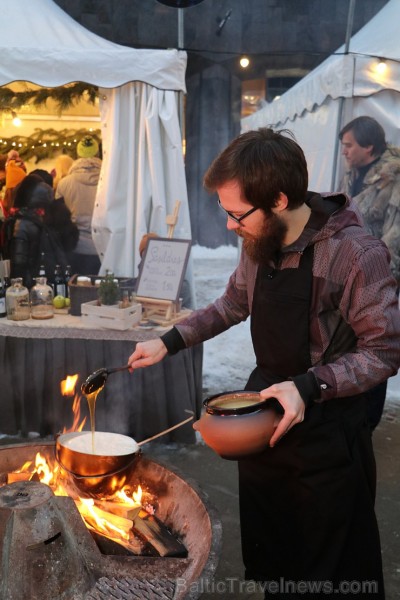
[(25, 476), (113, 548), (157, 535), (123, 510)]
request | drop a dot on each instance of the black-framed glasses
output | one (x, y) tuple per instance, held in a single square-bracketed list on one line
[(237, 219)]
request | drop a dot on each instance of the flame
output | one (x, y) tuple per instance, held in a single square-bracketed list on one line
[(45, 472), (107, 526), (24, 467), (136, 496), (68, 385), (76, 410), (68, 389), (107, 520)]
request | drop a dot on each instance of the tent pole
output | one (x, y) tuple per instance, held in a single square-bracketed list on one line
[(181, 45), (349, 29)]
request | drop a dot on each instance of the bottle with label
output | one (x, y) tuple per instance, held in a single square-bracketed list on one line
[(17, 301), (41, 297), (59, 282), (3, 310)]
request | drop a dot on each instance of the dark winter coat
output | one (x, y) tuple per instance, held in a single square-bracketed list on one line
[(42, 231)]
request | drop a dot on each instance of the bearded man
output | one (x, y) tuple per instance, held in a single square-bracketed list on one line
[(325, 328)]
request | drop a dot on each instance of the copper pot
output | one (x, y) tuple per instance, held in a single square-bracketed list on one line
[(104, 471), (238, 423)]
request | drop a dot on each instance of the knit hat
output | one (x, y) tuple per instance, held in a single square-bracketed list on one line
[(87, 147), (14, 174)]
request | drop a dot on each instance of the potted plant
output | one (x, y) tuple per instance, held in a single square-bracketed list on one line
[(108, 292)]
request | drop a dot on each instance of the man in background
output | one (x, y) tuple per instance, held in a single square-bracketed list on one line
[(373, 181)]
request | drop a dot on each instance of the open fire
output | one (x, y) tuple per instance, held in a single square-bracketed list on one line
[(124, 515), (149, 535)]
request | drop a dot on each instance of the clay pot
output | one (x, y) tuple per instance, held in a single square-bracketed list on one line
[(237, 424)]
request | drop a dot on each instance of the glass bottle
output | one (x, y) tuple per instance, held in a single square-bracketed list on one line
[(3, 310), (17, 301), (42, 268), (59, 282), (41, 297), (67, 277)]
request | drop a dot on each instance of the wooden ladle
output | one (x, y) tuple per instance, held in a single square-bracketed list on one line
[(97, 380)]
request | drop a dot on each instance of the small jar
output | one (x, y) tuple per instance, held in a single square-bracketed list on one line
[(42, 300), (17, 301)]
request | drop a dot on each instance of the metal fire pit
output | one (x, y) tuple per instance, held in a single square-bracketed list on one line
[(46, 551)]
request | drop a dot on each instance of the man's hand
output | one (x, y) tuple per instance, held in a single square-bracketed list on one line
[(147, 353), (288, 396)]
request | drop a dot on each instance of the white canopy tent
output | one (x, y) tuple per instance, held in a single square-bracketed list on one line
[(142, 173), (311, 109)]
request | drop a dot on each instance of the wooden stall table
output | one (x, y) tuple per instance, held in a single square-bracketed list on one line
[(36, 355)]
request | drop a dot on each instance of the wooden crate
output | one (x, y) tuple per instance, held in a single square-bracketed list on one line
[(111, 317)]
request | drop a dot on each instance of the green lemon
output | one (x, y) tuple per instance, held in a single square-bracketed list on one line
[(67, 302)]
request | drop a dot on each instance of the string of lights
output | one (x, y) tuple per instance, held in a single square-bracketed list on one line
[(45, 143)]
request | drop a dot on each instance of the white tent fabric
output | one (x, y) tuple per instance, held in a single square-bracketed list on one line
[(143, 171), (311, 108), (141, 191), (40, 43)]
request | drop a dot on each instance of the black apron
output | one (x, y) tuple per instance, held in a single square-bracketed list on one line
[(306, 505)]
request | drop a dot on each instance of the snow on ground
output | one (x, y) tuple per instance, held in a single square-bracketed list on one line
[(229, 357)]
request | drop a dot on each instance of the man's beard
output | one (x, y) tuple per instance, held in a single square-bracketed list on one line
[(264, 248)]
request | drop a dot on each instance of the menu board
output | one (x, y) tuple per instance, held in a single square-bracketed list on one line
[(163, 268)]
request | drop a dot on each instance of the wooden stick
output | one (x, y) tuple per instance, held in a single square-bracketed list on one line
[(165, 431), (172, 220)]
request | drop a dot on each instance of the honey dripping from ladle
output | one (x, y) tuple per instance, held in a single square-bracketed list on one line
[(93, 386), (91, 389)]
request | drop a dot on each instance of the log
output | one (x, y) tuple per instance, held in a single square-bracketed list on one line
[(113, 548), (24, 476), (123, 510), (157, 535)]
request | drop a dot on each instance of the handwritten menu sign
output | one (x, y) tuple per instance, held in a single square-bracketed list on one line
[(163, 268)]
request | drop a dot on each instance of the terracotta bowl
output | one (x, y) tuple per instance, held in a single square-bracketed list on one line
[(237, 424)]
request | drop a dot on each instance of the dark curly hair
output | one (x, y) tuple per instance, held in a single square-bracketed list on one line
[(264, 163)]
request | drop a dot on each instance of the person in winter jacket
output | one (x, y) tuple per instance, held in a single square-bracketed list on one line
[(78, 189), (325, 328), (373, 181), (32, 238), (58, 217), (15, 172)]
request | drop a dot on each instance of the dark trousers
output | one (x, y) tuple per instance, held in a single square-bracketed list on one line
[(375, 403)]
